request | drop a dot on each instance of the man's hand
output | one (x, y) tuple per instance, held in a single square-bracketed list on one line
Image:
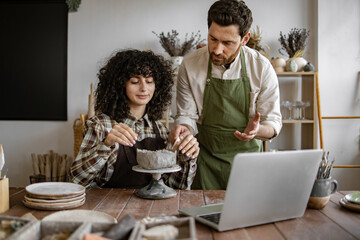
[(188, 144), (251, 130)]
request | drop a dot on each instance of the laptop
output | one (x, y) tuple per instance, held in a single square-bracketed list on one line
[(263, 187)]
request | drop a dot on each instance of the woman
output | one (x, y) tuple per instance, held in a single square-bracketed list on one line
[(134, 90)]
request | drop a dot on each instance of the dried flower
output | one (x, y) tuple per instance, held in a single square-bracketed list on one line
[(294, 42), (73, 5), (255, 42), (171, 43), (255, 39)]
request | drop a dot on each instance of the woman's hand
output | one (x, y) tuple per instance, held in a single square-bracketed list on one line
[(122, 134)]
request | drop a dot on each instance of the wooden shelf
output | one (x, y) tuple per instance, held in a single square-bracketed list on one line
[(167, 120), (297, 121), (295, 74), (297, 134)]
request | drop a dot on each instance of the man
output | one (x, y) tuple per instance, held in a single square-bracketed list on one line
[(227, 94)]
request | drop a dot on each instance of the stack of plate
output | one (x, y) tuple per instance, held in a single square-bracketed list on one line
[(351, 201), (54, 195)]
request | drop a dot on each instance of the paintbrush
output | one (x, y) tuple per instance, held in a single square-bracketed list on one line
[(325, 167)]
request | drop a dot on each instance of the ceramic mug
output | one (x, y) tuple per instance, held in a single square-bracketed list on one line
[(321, 192)]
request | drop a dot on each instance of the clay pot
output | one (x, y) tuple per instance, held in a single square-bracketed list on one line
[(155, 159)]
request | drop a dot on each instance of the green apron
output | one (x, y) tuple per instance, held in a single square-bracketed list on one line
[(225, 110)]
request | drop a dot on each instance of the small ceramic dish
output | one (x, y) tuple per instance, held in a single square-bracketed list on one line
[(29, 198), (55, 190), (81, 215), (351, 206), (353, 197), (52, 207)]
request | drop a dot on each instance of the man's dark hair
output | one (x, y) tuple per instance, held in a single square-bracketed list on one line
[(228, 12), (111, 96)]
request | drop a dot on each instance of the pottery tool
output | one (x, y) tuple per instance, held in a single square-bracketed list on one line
[(121, 229), (4, 176), (325, 167), (2, 159), (156, 189), (91, 104), (174, 147)]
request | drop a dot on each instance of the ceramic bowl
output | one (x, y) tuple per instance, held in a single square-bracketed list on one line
[(155, 159)]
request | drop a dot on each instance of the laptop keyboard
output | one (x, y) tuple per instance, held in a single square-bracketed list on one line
[(214, 217)]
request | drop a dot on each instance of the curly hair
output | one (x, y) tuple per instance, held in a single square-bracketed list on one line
[(228, 12), (111, 97)]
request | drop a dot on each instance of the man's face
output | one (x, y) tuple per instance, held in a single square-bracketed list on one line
[(224, 43)]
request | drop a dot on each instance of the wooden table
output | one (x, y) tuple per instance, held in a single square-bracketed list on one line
[(332, 222)]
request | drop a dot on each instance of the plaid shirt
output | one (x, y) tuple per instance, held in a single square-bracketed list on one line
[(95, 163)]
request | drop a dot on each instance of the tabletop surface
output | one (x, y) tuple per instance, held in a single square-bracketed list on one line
[(331, 222)]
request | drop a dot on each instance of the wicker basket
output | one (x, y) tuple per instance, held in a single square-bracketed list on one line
[(78, 127), (79, 123)]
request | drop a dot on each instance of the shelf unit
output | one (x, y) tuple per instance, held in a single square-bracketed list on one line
[(172, 107), (297, 134), (166, 119)]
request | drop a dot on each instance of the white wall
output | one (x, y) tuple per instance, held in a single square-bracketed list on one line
[(101, 27), (339, 69)]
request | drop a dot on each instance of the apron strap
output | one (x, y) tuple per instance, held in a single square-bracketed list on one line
[(209, 70), (243, 65)]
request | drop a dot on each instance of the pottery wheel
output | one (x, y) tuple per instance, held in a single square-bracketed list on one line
[(156, 189)]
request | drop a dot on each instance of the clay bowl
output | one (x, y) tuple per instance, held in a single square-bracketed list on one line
[(155, 159)]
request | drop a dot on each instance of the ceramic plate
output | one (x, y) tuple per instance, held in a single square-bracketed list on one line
[(54, 189), (353, 197), (54, 207), (349, 205), (137, 168), (80, 216), (54, 197), (29, 198), (75, 202)]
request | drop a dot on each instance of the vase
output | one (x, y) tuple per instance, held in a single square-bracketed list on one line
[(291, 66), (176, 61), (300, 62), (279, 64), (309, 67)]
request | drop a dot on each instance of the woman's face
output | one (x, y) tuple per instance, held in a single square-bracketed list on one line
[(139, 90)]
